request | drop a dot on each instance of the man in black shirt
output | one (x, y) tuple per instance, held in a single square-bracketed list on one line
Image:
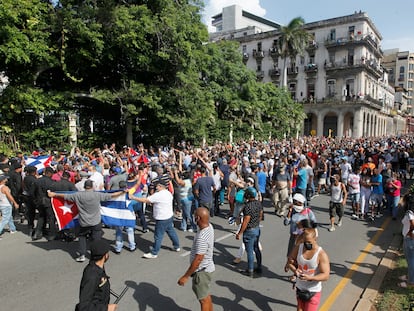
[(95, 289), (252, 213)]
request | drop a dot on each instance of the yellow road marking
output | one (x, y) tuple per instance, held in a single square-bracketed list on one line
[(340, 287)]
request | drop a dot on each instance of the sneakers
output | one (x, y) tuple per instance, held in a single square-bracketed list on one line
[(340, 223), (145, 230), (232, 220), (149, 256), (81, 258), (13, 232), (191, 230), (332, 228), (177, 249), (354, 216), (237, 260)]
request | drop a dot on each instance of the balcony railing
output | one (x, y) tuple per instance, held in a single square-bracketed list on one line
[(274, 73), (312, 46), (371, 66), (273, 52), (258, 54), (351, 40), (259, 74), (309, 68), (292, 70)]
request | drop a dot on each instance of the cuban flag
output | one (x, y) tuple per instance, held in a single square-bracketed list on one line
[(116, 212), (39, 162)]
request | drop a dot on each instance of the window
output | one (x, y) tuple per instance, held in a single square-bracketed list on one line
[(311, 59), (331, 88), (311, 91), (292, 90), (350, 94), (332, 57), (302, 60), (259, 46), (244, 49), (401, 78), (332, 35), (351, 32)]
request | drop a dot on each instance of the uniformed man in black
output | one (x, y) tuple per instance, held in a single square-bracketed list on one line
[(44, 206), (95, 289), (29, 196)]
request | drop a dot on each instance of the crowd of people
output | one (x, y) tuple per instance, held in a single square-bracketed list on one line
[(173, 182)]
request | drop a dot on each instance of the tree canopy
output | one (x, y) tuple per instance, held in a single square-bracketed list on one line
[(141, 70)]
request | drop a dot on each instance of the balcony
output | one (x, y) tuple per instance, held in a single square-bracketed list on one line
[(259, 74), (258, 55), (312, 46), (355, 66), (292, 71), (274, 53), (367, 40), (311, 68), (245, 57), (274, 73)]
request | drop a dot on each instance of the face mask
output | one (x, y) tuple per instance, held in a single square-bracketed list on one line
[(298, 208), (308, 245)]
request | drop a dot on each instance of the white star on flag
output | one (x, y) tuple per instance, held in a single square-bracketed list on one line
[(66, 208)]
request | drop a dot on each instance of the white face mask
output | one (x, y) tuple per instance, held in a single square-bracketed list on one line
[(298, 208)]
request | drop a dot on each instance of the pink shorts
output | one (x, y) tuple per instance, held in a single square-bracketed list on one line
[(310, 305)]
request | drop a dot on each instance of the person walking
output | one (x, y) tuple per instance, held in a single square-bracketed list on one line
[(252, 214), (407, 281), (95, 289), (201, 260), (162, 201), (310, 263), (338, 201), (6, 206), (89, 207)]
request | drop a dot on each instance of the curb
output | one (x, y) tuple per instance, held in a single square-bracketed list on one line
[(369, 295)]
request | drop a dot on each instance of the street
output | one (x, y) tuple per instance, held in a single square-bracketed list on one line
[(43, 275)]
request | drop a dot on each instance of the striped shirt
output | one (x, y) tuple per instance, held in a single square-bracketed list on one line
[(203, 244)]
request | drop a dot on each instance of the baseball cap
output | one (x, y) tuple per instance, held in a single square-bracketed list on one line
[(299, 197), (98, 249)]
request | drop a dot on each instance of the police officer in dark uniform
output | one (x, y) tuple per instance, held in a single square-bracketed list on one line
[(44, 206), (95, 289), (29, 196)]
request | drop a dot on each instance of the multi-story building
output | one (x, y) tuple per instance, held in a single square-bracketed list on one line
[(400, 66), (340, 79)]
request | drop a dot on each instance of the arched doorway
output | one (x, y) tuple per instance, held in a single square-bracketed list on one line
[(330, 125)]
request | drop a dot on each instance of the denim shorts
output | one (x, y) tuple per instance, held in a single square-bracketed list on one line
[(201, 284)]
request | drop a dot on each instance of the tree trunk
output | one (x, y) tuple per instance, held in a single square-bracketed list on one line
[(283, 81), (129, 139)]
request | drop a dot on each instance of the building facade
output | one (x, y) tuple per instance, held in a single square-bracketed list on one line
[(340, 79)]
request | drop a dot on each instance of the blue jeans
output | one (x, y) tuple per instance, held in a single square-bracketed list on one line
[(222, 192), (409, 256), (6, 212), (162, 226), (186, 205), (139, 209), (120, 241), (392, 205), (238, 207), (251, 241)]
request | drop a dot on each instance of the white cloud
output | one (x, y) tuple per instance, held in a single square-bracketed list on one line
[(214, 7)]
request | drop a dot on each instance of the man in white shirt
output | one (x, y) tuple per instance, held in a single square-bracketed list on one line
[(162, 201)]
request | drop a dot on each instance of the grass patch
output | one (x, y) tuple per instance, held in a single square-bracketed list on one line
[(391, 297)]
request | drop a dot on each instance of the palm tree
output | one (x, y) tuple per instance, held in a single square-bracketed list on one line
[(292, 42)]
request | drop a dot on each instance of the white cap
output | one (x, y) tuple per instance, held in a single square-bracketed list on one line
[(299, 197)]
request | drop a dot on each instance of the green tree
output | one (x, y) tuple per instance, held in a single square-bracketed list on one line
[(292, 42)]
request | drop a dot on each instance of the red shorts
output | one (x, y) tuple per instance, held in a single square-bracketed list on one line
[(310, 305), (231, 200)]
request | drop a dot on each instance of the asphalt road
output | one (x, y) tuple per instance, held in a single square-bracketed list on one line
[(43, 275)]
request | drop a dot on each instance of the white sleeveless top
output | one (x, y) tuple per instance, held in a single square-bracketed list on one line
[(3, 199), (336, 193), (309, 267)]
